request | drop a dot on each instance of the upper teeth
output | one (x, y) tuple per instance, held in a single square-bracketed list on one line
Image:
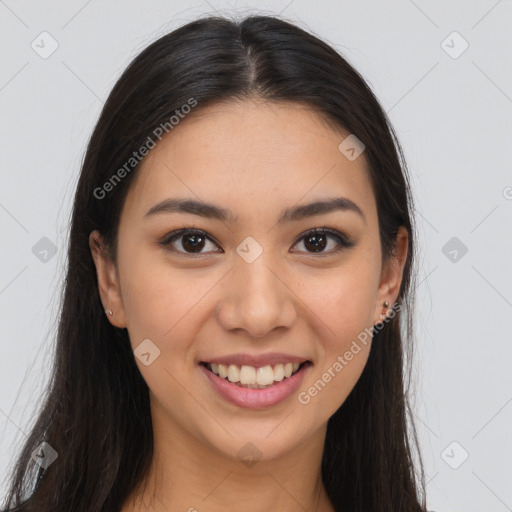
[(262, 376)]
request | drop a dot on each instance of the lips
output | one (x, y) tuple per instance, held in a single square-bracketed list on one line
[(256, 398)]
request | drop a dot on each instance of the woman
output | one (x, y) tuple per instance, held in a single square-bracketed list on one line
[(241, 251)]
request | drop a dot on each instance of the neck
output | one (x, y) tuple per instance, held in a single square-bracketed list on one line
[(189, 475)]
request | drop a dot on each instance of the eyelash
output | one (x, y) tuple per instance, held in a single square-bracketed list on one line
[(342, 240)]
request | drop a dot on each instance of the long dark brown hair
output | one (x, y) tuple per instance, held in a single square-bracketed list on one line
[(95, 411)]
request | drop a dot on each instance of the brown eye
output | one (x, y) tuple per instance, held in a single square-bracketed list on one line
[(188, 241), (316, 240)]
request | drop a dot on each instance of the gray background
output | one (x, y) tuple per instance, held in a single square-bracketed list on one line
[(453, 115)]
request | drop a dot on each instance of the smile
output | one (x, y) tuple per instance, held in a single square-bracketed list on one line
[(246, 392), (252, 377)]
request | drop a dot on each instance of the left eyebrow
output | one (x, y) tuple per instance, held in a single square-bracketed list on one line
[(295, 213), (320, 208)]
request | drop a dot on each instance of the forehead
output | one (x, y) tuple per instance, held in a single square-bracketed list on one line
[(253, 155)]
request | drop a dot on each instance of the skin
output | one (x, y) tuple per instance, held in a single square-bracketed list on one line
[(254, 158)]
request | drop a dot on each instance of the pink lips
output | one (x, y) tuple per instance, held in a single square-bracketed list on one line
[(256, 398)]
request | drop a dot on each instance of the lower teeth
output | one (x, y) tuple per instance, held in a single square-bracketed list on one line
[(251, 386)]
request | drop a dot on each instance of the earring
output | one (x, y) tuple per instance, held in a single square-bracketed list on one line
[(386, 305), (109, 311)]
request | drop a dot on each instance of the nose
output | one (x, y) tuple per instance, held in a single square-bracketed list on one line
[(256, 299)]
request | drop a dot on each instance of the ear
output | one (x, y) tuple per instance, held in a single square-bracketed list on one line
[(391, 276), (108, 280)]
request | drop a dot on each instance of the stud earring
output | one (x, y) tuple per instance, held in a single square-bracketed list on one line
[(109, 311), (386, 305)]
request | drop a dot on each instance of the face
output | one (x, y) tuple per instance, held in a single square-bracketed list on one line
[(194, 288)]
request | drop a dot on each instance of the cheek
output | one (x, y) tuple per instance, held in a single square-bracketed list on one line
[(166, 304), (345, 301), (156, 296), (349, 317), (156, 299), (344, 330), (343, 309), (162, 305)]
